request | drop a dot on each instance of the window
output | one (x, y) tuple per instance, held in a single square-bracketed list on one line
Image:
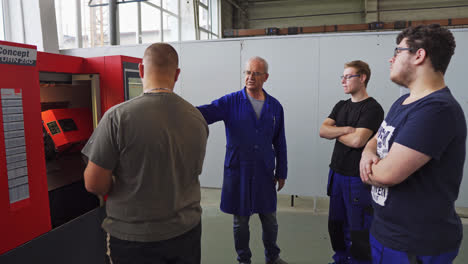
[(65, 13), (2, 30), (159, 21), (204, 19), (128, 23), (204, 35), (150, 24), (170, 27), (167, 27), (95, 23), (85, 23), (171, 5), (208, 19)]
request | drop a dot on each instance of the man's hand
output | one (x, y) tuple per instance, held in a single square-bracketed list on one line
[(368, 158), (280, 183)]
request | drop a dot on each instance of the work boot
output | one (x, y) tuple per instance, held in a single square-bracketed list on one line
[(277, 261)]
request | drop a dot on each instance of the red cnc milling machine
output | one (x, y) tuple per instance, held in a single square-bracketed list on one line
[(28, 203)]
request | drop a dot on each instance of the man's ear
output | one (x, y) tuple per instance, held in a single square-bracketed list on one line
[(176, 77), (141, 69), (420, 56), (363, 78), (266, 76)]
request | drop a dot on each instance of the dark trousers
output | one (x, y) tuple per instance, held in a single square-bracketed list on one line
[(184, 249), (349, 219), (269, 235)]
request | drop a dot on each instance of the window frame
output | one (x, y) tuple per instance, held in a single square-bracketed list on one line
[(209, 8), (164, 11)]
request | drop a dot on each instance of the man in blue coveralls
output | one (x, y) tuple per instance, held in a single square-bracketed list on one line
[(415, 161), (255, 159)]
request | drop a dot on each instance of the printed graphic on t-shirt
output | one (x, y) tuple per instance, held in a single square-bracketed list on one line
[(379, 195), (385, 133), (383, 138)]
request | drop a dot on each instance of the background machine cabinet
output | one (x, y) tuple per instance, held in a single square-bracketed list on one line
[(24, 205), (41, 194)]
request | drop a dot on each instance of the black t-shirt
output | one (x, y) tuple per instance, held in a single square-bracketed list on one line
[(364, 114)]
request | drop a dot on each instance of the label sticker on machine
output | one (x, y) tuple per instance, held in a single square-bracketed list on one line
[(17, 55), (15, 145)]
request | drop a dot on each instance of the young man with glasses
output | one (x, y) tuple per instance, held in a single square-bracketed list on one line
[(351, 123), (255, 158), (415, 162)]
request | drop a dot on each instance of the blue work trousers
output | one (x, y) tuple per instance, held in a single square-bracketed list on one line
[(385, 255), (242, 237), (349, 219)]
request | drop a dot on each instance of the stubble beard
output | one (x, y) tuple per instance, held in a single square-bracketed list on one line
[(404, 77)]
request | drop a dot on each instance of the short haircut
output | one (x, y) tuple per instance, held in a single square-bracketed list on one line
[(161, 56), (438, 42), (361, 68), (262, 60)]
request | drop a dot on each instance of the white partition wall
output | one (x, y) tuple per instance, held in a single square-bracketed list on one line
[(209, 71), (456, 79), (304, 77)]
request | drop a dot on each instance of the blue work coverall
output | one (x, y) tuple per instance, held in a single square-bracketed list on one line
[(253, 146)]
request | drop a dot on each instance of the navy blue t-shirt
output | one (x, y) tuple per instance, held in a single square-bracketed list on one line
[(418, 215)]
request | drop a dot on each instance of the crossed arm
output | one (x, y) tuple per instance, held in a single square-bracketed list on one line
[(396, 167), (350, 136)]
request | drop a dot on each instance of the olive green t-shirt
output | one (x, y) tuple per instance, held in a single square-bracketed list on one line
[(155, 146)]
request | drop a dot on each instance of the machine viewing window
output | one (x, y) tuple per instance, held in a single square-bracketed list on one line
[(53, 128), (67, 125), (133, 84), (135, 87)]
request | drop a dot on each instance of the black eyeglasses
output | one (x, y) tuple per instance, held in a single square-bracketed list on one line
[(347, 77), (398, 50)]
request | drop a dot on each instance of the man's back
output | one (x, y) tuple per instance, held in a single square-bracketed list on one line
[(159, 141)]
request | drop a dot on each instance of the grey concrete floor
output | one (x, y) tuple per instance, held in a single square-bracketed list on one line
[(303, 233)]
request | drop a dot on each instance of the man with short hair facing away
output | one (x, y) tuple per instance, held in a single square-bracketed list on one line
[(351, 123), (255, 158), (147, 154), (415, 162)]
